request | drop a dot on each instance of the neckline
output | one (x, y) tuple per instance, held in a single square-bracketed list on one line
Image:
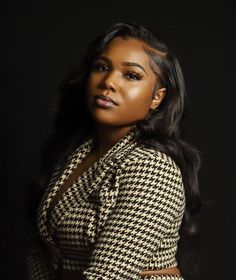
[(110, 154), (118, 150)]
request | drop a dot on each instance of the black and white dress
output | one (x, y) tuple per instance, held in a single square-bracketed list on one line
[(120, 217)]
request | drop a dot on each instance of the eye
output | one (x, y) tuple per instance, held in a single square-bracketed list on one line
[(99, 67), (133, 76)]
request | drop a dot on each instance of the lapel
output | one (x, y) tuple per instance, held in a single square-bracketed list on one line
[(89, 181)]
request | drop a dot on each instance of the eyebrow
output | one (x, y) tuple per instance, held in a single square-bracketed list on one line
[(126, 63)]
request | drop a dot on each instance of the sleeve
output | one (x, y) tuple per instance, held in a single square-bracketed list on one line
[(150, 200), (38, 262)]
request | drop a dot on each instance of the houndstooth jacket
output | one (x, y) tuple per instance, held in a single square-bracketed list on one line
[(120, 217)]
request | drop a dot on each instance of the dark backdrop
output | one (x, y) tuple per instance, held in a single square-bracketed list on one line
[(42, 39)]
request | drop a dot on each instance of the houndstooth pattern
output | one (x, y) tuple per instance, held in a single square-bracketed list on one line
[(119, 217)]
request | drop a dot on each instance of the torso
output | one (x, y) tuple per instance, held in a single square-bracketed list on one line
[(86, 163), (80, 169)]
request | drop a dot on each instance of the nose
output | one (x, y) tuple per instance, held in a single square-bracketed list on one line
[(110, 81)]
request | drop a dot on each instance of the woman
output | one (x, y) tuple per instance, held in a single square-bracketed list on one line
[(124, 181)]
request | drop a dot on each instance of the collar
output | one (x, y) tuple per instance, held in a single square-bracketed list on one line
[(105, 164), (119, 150)]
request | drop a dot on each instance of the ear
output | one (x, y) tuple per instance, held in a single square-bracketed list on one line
[(159, 96)]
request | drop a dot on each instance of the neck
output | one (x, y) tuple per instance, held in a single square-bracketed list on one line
[(106, 137)]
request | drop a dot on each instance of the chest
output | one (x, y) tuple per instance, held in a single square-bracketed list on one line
[(82, 167), (81, 204)]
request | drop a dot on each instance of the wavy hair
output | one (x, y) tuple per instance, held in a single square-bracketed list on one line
[(163, 130)]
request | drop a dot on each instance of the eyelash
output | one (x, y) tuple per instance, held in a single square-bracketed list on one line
[(99, 67)]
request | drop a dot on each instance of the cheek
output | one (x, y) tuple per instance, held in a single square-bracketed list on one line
[(139, 97), (90, 83), (90, 88), (94, 80)]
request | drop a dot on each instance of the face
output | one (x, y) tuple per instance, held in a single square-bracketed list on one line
[(122, 73)]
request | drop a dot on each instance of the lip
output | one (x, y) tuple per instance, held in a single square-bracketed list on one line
[(104, 103), (106, 98)]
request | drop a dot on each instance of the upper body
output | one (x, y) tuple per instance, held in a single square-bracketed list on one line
[(123, 214), (120, 217)]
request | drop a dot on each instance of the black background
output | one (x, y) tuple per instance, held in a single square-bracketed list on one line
[(43, 39)]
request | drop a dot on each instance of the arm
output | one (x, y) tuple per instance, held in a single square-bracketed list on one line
[(150, 200), (39, 267), (38, 260)]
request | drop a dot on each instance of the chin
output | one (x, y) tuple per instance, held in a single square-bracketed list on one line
[(111, 118)]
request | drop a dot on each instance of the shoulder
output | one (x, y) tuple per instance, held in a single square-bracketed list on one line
[(149, 173), (147, 156)]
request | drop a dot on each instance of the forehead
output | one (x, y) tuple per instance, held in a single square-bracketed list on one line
[(130, 49)]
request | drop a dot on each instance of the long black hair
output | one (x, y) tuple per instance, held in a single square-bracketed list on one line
[(163, 130)]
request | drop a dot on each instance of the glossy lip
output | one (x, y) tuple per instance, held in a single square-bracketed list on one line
[(104, 103), (106, 98)]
